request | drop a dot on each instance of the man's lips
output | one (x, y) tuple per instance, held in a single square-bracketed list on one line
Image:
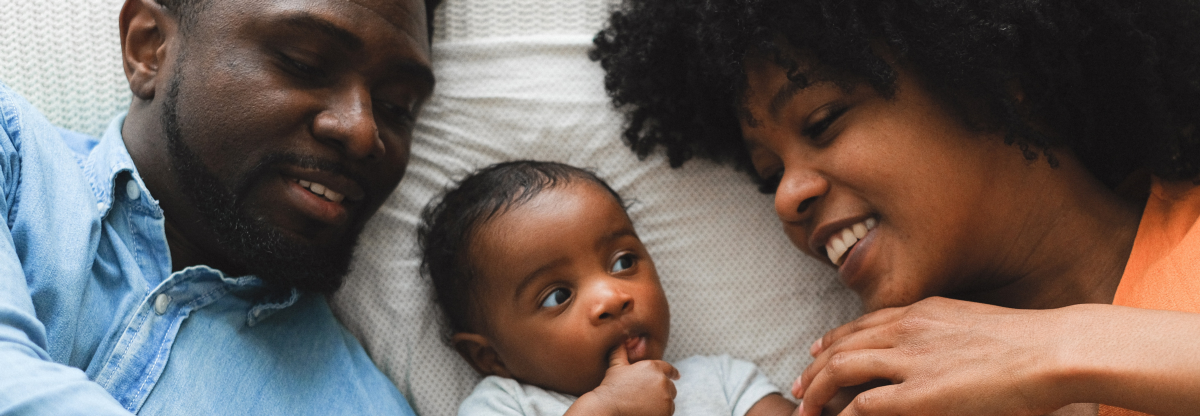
[(322, 196), (326, 184)]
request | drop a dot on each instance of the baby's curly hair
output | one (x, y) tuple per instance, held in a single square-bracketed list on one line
[(1115, 81)]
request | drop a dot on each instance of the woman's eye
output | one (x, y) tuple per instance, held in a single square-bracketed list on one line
[(622, 263), (557, 297), (770, 184), (818, 128)]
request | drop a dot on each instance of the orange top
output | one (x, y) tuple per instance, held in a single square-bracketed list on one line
[(1164, 266)]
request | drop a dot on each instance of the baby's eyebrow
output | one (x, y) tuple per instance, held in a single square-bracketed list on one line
[(613, 236), (529, 278)]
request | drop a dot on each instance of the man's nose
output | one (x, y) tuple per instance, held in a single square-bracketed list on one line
[(799, 190), (609, 300), (348, 123)]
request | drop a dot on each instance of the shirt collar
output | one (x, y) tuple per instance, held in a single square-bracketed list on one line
[(106, 162)]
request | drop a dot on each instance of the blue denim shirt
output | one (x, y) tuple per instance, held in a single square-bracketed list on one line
[(93, 321)]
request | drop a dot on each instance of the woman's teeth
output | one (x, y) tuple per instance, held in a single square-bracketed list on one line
[(321, 190), (841, 241)]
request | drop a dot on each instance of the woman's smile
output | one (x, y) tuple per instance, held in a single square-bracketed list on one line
[(893, 191)]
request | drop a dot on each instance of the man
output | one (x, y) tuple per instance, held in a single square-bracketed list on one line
[(178, 264)]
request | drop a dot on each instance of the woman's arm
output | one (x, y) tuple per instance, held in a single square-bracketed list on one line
[(948, 357)]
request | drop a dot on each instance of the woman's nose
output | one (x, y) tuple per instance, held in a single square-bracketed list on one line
[(608, 301), (798, 192), (348, 123)]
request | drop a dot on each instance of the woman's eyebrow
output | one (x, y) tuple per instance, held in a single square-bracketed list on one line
[(782, 97)]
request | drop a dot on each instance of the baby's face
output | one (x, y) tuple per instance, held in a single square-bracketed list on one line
[(564, 281)]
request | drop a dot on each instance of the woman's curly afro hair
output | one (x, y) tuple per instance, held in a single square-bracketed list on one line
[(1115, 81)]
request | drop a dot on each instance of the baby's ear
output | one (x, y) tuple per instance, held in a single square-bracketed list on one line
[(478, 352)]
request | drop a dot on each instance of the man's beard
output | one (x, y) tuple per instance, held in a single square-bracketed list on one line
[(252, 243)]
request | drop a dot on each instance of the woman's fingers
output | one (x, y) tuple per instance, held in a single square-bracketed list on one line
[(869, 403), (869, 332), (847, 369), (946, 357), (867, 321)]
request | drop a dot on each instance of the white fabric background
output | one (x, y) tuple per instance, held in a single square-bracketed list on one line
[(513, 82)]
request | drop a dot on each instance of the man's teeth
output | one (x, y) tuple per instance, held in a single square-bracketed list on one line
[(841, 241), (321, 190)]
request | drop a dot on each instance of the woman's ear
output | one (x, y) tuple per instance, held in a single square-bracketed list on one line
[(145, 32), (478, 352)]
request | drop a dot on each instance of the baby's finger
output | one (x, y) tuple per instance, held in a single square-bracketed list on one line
[(618, 356), (674, 373), (662, 366)]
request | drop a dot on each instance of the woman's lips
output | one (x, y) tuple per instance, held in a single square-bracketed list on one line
[(854, 259), (841, 242)]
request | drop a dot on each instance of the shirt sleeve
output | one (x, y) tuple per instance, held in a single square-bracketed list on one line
[(744, 383), (30, 382), (494, 396)]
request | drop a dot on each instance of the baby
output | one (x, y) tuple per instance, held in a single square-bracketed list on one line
[(550, 294)]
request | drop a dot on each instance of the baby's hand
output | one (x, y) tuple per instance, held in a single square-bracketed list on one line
[(644, 388)]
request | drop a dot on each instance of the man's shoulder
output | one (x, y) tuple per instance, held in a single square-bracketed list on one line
[(23, 127)]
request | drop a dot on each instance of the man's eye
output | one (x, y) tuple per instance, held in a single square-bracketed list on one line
[(624, 262), (557, 297), (397, 114), (302, 69)]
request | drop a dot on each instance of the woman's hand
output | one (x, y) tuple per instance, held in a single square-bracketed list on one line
[(941, 357), (948, 357), (642, 388)]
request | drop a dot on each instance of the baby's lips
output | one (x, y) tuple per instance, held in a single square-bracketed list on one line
[(635, 348)]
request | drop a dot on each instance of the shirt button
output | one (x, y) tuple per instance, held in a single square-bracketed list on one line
[(161, 302), (100, 206), (131, 190)]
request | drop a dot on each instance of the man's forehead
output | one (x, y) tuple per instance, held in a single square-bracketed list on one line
[(404, 14), (408, 16)]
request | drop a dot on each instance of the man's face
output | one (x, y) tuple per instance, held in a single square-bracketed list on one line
[(288, 123)]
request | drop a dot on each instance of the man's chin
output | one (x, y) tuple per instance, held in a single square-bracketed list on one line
[(289, 262)]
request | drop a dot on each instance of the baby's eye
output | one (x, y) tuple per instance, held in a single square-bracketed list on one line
[(557, 297), (622, 263)]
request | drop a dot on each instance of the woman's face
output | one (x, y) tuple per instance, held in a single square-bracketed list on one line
[(895, 192)]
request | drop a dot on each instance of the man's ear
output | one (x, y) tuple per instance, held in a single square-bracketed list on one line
[(478, 352), (145, 33)]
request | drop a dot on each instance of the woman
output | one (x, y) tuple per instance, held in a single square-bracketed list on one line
[(992, 177)]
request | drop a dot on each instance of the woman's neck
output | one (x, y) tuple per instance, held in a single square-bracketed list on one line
[(1073, 246)]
